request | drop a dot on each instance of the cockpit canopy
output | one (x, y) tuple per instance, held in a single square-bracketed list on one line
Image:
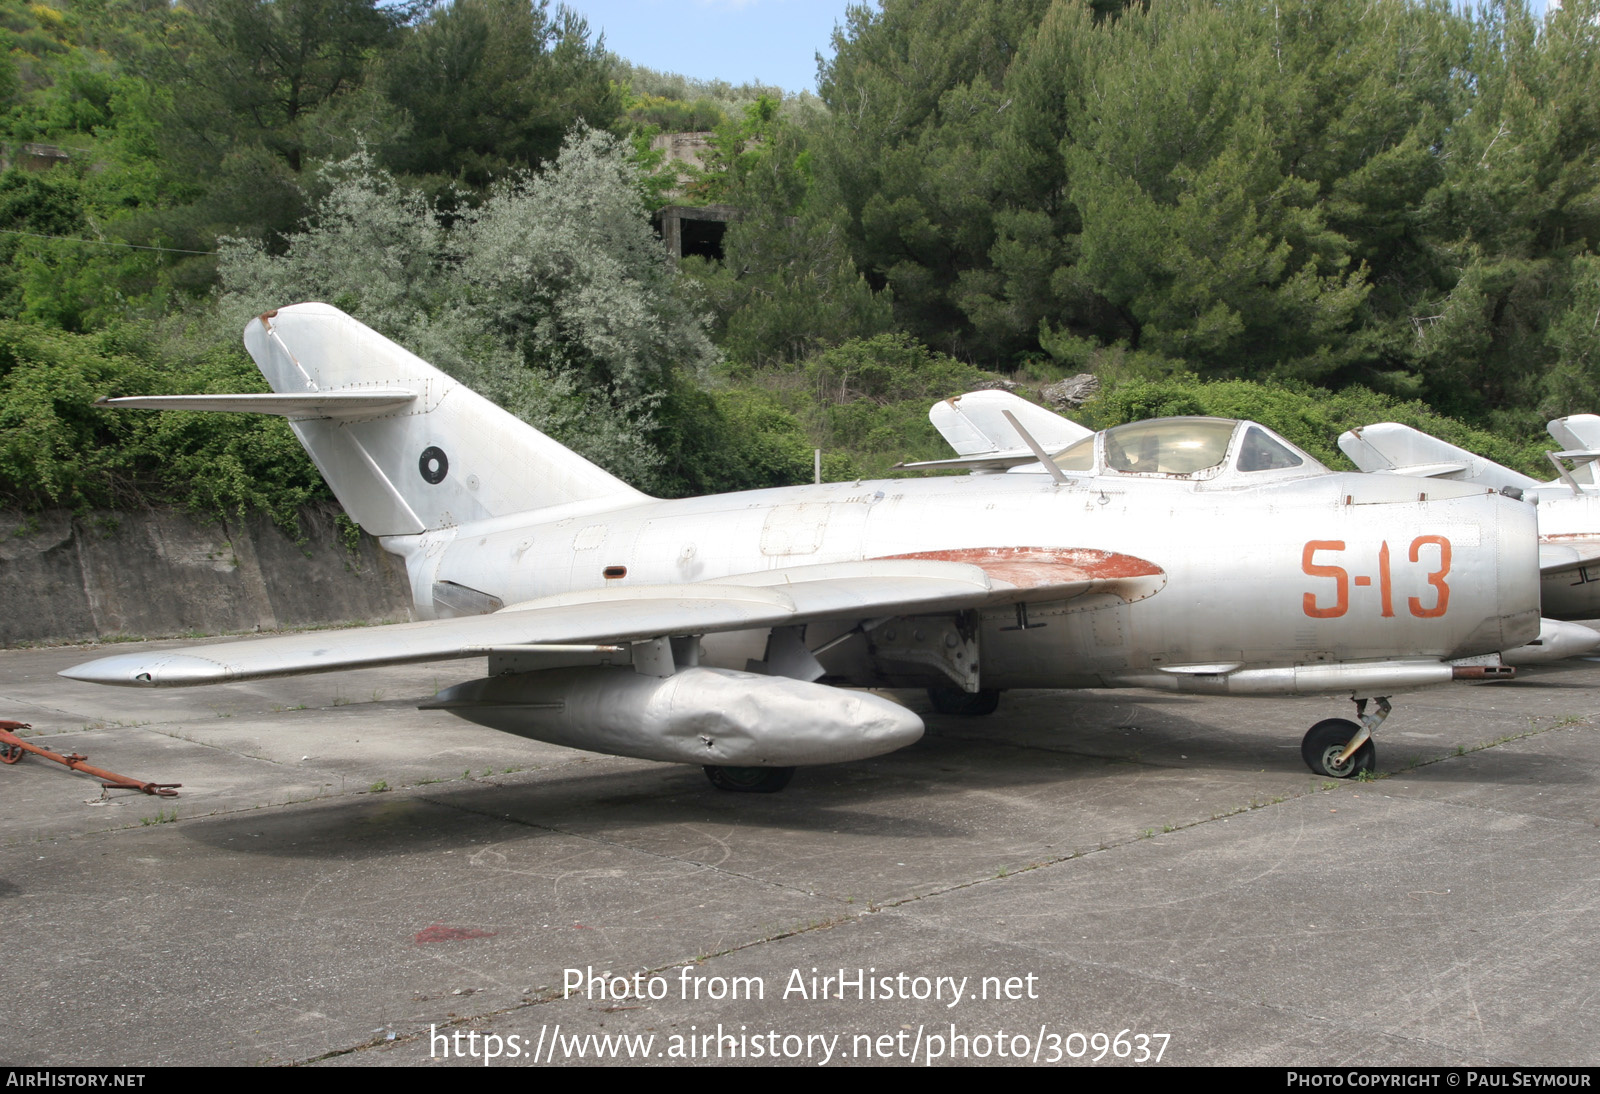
[(1189, 448)]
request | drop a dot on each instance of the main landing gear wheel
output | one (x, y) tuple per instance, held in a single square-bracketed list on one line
[(750, 780), (971, 704), (1326, 740)]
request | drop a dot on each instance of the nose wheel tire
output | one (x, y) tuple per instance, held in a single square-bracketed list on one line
[(750, 780), (1325, 741)]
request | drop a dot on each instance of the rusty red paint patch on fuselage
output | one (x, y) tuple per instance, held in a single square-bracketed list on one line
[(1035, 567)]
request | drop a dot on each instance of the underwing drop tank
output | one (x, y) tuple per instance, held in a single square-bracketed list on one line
[(708, 716)]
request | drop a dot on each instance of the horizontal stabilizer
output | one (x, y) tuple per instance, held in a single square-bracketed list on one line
[(996, 461), (1431, 470), (321, 404)]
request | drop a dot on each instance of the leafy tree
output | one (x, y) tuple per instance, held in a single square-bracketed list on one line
[(46, 274), (553, 297), (1574, 335), (257, 69), (1231, 188), (245, 90), (786, 287), (564, 263), (490, 86), (79, 98), (57, 449), (54, 447), (1196, 216), (1513, 219), (915, 95)]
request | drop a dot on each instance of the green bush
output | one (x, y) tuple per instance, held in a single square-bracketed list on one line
[(56, 448)]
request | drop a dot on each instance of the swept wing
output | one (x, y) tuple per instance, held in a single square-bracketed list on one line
[(856, 590)]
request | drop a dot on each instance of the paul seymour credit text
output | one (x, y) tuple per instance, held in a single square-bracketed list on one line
[(975, 1038)]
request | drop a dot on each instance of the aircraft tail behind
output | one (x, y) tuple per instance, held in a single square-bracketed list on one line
[(404, 447), (979, 426), (1401, 450), (974, 424), (1578, 434)]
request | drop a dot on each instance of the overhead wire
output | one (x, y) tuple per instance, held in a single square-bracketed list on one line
[(106, 242)]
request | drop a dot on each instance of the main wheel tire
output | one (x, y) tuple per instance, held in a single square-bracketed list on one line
[(750, 780), (1327, 739), (970, 704)]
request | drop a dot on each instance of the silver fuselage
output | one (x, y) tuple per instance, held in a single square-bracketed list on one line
[(1304, 572)]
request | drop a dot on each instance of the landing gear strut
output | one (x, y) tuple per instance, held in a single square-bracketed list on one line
[(1340, 748), (749, 780)]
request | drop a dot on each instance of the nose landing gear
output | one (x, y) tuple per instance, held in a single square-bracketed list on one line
[(1340, 748)]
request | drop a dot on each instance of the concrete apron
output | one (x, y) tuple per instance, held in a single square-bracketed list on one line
[(350, 880)]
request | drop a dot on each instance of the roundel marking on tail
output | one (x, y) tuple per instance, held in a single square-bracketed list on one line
[(434, 464)]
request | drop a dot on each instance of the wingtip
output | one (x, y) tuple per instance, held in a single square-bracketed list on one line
[(98, 672), (139, 671)]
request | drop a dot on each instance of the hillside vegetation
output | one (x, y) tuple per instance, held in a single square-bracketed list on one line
[(1316, 213)]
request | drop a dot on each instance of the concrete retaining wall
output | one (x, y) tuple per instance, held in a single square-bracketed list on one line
[(66, 577)]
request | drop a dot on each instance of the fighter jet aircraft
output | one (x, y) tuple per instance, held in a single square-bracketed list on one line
[(724, 630), (1568, 505)]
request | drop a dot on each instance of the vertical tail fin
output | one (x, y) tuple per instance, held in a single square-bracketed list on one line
[(974, 424), (1389, 447), (1578, 433), (404, 447), (445, 457)]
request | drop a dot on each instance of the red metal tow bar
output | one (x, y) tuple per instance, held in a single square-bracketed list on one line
[(12, 747)]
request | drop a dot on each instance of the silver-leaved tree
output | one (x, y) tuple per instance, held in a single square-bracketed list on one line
[(553, 297)]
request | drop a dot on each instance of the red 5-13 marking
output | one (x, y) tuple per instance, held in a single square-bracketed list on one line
[(1342, 581)]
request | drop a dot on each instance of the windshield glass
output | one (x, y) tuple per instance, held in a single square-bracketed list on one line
[(1169, 446), (1261, 452), (1078, 456)]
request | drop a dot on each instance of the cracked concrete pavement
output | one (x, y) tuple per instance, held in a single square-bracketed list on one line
[(348, 880)]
